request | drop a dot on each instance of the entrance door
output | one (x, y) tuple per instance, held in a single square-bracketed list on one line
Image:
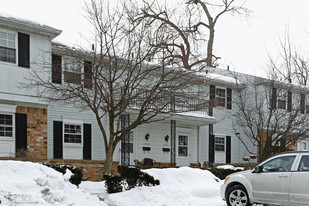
[(182, 150), (132, 148), (220, 156)]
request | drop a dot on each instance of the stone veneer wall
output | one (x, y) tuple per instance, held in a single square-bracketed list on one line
[(36, 130), (92, 170)]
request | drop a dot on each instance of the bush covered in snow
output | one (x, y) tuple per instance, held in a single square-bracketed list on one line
[(77, 174), (223, 172), (129, 178)]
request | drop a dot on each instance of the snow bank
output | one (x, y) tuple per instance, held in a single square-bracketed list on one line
[(178, 186), (230, 167), (29, 183)]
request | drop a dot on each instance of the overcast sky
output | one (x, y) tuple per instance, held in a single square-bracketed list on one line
[(242, 43)]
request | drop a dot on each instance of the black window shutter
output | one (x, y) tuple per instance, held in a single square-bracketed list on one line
[(302, 103), (58, 145), (229, 99), (56, 69), (87, 142), (87, 74), (228, 149), (211, 148), (289, 101), (23, 50), (212, 98), (21, 131), (273, 98)]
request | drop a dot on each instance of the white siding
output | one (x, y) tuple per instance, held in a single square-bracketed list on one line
[(58, 113)]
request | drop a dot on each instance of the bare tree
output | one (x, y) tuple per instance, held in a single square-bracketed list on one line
[(116, 79), (290, 64), (184, 29), (270, 115)]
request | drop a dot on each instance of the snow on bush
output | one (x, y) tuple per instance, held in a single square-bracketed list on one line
[(229, 167), (29, 183), (178, 186)]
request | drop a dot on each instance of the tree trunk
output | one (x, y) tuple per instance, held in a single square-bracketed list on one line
[(109, 161), (210, 46)]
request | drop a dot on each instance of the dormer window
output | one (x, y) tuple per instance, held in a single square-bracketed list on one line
[(7, 47)]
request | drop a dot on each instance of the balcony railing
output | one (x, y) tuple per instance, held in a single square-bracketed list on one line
[(168, 103)]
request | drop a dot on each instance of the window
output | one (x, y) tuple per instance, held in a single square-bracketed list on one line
[(220, 97), (72, 133), (220, 144), (304, 163), (72, 70), (7, 47), (6, 125), (183, 145), (302, 146), (282, 97), (279, 164)]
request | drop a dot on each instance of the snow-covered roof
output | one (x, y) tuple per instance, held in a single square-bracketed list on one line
[(27, 26)]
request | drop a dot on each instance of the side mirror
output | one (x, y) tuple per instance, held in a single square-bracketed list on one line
[(258, 169)]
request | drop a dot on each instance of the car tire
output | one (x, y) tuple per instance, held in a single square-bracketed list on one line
[(237, 196)]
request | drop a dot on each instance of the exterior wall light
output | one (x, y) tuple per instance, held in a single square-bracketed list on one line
[(167, 137), (147, 137)]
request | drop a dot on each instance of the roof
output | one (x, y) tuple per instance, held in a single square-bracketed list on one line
[(11, 22)]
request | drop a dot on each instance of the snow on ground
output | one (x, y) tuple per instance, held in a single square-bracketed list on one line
[(25, 183), (178, 186)]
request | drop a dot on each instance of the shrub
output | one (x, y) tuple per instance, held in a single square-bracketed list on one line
[(222, 173), (113, 183), (26, 155), (77, 176), (129, 178)]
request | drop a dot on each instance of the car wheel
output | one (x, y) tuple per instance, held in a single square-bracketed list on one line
[(237, 196)]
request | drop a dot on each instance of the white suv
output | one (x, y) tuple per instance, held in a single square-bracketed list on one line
[(280, 180)]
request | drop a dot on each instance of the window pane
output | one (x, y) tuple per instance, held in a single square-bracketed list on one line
[(280, 164), (11, 37), (3, 43), (72, 133), (182, 151), (3, 35), (304, 163)]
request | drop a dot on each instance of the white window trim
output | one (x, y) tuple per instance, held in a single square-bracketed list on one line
[(188, 146), (220, 136), (225, 98), (16, 47), (4, 138), (73, 122)]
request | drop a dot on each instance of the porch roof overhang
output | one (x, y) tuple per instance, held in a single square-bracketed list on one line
[(183, 119)]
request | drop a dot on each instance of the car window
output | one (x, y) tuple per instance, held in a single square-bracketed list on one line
[(279, 164), (304, 163)]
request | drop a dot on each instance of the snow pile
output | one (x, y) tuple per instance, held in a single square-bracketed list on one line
[(178, 186), (34, 184), (230, 167)]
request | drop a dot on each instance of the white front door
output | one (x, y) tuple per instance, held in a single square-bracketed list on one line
[(220, 156), (182, 150)]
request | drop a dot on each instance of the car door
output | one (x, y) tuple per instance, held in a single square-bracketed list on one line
[(299, 182), (272, 184)]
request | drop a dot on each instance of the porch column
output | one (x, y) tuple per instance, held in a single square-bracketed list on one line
[(173, 143), (125, 143)]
